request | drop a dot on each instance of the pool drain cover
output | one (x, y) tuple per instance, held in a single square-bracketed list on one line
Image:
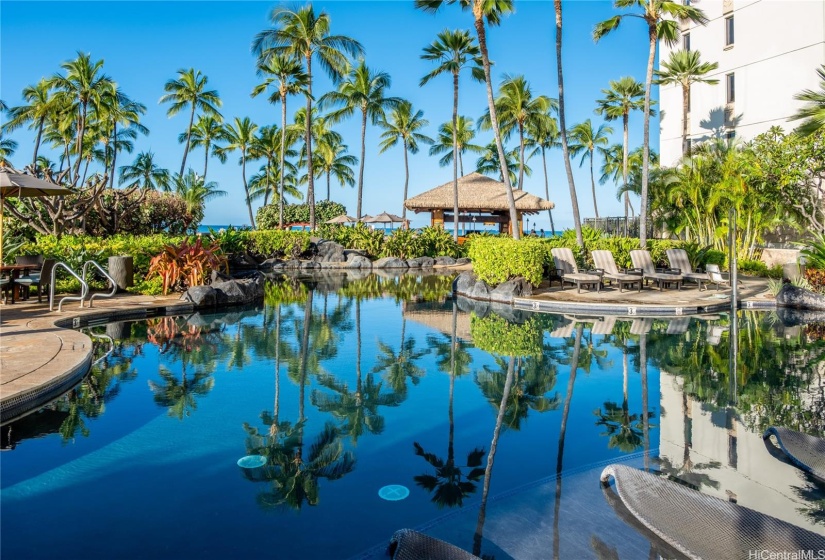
[(252, 461), (394, 492)]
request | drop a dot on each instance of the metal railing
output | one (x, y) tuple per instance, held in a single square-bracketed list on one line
[(106, 275), (84, 288)]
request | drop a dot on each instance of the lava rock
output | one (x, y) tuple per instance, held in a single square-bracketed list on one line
[(271, 263), (462, 260), (358, 261), (234, 292), (329, 251), (799, 298), (390, 262), (426, 262), (218, 276), (464, 282), (201, 296), (507, 291), (292, 264), (413, 263), (447, 261), (310, 265)]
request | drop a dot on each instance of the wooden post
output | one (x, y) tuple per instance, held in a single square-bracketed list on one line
[(122, 271)]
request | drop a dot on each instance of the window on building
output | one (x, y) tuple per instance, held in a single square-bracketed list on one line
[(729, 31), (730, 135), (730, 87), (686, 41)]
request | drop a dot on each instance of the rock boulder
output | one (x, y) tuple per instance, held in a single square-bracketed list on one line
[(390, 262), (799, 298)]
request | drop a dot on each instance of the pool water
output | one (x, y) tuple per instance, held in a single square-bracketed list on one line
[(490, 427)]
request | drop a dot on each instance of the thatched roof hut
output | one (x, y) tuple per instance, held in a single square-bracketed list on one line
[(480, 198)]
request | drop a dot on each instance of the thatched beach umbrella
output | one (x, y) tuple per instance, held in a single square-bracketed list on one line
[(16, 184), (342, 219)]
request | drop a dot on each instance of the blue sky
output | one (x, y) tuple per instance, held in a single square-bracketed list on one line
[(143, 44)]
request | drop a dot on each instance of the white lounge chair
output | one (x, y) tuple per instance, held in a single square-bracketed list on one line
[(715, 276)]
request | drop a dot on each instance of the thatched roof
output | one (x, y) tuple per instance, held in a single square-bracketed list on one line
[(476, 193)]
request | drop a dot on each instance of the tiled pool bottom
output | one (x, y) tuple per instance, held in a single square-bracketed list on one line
[(525, 523)]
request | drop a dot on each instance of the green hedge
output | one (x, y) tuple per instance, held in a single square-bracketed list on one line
[(498, 259), (496, 335), (277, 243), (267, 217)]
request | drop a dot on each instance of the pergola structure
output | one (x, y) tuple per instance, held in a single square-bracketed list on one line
[(482, 201)]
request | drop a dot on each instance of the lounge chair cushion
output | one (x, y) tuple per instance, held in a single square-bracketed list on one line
[(805, 451), (407, 544), (701, 526)]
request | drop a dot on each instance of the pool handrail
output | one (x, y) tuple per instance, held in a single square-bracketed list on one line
[(106, 275), (84, 288)]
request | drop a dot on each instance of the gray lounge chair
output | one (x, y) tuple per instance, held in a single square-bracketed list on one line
[(678, 326), (804, 451), (701, 526), (604, 326), (643, 261), (567, 269), (407, 544), (603, 260), (678, 259)]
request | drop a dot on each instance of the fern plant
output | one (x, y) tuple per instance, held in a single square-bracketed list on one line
[(815, 253)]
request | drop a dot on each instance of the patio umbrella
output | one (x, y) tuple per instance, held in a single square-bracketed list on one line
[(16, 184), (384, 218), (342, 219)]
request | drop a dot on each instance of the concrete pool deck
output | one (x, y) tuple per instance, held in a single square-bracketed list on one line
[(42, 356)]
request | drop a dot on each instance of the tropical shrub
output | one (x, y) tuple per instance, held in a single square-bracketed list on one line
[(758, 268), (267, 217), (496, 335), (232, 239), (498, 259), (814, 254), (436, 241), (402, 243), (816, 279), (365, 239), (277, 243), (186, 264), (712, 256)]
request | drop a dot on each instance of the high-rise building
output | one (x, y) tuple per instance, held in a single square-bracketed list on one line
[(767, 51)]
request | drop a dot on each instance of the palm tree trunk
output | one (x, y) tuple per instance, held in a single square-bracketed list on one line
[(283, 156), (593, 185), (358, 345), (685, 101), (363, 155), (268, 176), (451, 441), (206, 160), (574, 365), (455, 156), (646, 137), (574, 201), (645, 413), (461, 163), (81, 130), (246, 187), (406, 182), (37, 141), (485, 59), (488, 471), (327, 186), (277, 405), (114, 155), (188, 140), (308, 140), (547, 190), (521, 156), (625, 121)]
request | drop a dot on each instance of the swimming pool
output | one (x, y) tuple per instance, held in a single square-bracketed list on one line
[(346, 385)]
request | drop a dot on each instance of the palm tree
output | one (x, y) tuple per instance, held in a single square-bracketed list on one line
[(543, 134), (207, 130), (623, 96), (454, 51), (574, 199), (190, 89), (119, 109), (663, 19), (145, 172), (267, 145), (403, 125), (240, 135), (585, 140), (179, 396), (492, 12), (332, 159), (300, 33), (362, 89), (685, 68), (515, 106), (465, 132), (814, 111), (402, 364), (265, 183), (83, 85), (40, 104), (288, 75), (196, 193), (7, 149), (489, 164)]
